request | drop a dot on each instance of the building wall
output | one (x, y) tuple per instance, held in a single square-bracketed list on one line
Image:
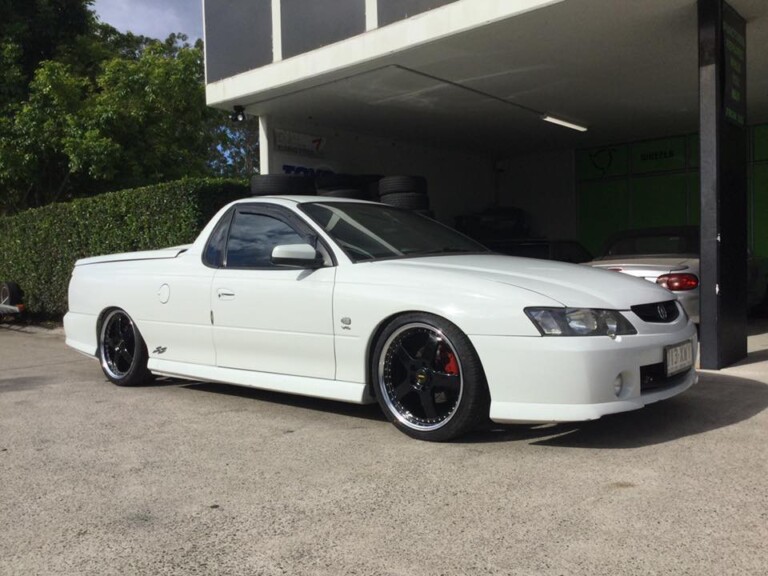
[(584, 194), (238, 36), (543, 186), (390, 11), (307, 26), (656, 183), (458, 182), (243, 35)]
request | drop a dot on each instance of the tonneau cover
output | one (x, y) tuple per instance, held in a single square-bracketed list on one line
[(161, 254)]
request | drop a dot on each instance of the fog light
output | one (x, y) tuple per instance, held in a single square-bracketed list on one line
[(618, 385)]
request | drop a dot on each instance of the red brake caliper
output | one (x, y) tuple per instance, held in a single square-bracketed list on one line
[(451, 366)]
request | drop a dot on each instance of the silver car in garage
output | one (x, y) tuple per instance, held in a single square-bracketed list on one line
[(670, 257)]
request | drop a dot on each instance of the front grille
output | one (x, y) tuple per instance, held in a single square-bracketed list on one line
[(660, 312)]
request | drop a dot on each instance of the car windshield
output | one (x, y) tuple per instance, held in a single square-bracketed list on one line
[(376, 231), (646, 244)]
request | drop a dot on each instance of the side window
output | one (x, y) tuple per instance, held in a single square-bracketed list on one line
[(252, 237)]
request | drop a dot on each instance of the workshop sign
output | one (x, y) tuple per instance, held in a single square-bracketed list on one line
[(297, 143), (735, 66)]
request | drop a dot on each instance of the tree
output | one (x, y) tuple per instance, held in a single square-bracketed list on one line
[(97, 110), (235, 150), (33, 31)]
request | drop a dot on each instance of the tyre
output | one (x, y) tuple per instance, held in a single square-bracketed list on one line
[(277, 184), (327, 182), (122, 351), (407, 200), (428, 378), (10, 294), (353, 193), (390, 184)]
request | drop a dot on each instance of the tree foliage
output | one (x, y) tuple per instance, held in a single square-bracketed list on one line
[(86, 109)]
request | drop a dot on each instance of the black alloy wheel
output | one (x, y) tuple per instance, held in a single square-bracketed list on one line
[(429, 381), (122, 350)]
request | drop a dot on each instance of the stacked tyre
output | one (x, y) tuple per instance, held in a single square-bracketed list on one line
[(355, 186), (282, 184), (409, 192)]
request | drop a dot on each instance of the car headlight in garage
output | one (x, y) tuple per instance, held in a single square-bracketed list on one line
[(579, 322)]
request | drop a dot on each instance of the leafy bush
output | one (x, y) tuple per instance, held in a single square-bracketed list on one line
[(38, 248)]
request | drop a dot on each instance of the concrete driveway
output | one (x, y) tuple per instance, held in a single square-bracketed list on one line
[(190, 478)]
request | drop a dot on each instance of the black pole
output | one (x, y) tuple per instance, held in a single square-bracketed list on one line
[(723, 149)]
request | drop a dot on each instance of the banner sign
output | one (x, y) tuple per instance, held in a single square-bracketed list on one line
[(297, 143), (735, 66)]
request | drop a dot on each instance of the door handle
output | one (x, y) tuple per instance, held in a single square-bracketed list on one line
[(225, 294)]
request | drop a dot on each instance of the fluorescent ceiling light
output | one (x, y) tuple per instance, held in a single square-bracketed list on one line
[(571, 125)]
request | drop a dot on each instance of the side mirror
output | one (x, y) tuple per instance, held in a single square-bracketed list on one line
[(298, 255)]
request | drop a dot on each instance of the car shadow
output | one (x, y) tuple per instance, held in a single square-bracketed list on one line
[(717, 401), (363, 411)]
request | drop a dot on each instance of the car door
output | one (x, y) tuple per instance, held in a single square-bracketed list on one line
[(271, 318)]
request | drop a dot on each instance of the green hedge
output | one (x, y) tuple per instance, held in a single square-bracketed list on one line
[(38, 248)]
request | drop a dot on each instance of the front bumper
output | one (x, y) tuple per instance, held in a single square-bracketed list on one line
[(562, 379)]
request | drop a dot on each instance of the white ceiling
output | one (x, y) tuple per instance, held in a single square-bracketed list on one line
[(626, 69)]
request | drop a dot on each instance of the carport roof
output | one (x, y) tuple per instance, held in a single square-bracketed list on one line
[(627, 70)]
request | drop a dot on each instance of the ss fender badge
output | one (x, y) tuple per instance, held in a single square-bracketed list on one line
[(346, 323), (159, 350)]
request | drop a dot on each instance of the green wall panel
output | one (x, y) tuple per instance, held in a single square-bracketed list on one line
[(605, 162), (658, 155), (603, 210), (693, 181), (658, 201), (693, 150), (760, 143), (610, 199), (760, 210)]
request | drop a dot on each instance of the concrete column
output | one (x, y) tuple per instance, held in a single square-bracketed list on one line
[(723, 149), (277, 31), (371, 14), (266, 147)]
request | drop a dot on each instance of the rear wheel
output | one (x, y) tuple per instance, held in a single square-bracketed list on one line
[(122, 350), (429, 381)]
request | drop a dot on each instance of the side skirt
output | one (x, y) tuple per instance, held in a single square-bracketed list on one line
[(353, 392)]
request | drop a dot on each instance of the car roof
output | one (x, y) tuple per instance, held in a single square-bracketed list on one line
[(289, 200)]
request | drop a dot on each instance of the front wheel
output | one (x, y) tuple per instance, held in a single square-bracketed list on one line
[(428, 377), (122, 351)]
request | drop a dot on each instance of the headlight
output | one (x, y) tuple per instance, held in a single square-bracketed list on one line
[(579, 322)]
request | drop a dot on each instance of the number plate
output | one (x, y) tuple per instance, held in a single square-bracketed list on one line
[(678, 358)]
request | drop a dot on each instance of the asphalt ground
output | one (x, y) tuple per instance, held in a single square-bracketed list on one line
[(191, 478)]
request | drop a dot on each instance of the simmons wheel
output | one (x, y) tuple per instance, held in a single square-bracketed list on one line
[(429, 381), (122, 351)]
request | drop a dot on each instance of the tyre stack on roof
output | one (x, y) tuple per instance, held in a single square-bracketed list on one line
[(282, 184), (355, 186), (409, 192)]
